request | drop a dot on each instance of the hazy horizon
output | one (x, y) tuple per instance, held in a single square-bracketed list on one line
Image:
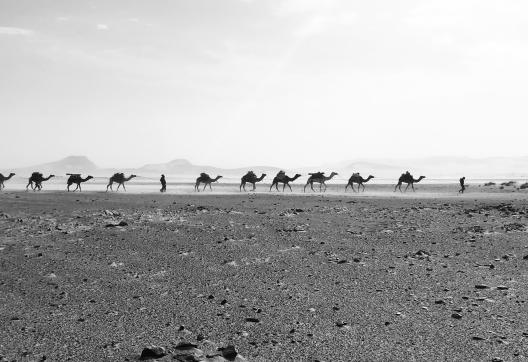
[(246, 82)]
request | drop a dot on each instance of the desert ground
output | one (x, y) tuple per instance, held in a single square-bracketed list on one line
[(100, 276)]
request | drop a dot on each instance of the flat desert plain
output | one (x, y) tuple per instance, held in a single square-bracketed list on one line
[(96, 276)]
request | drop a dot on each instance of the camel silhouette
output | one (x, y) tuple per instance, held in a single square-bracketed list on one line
[(408, 179), (4, 178), (120, 179), (356, 178), (75, 178), (206, 180), (284, 180), (37, 178), (320, 178), (251, 178)]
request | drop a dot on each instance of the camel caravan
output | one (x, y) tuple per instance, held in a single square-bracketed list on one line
[(37, 179)]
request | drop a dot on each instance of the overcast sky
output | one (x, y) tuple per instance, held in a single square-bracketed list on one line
[(277, 82)]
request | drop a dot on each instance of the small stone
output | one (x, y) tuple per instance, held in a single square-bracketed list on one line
[(185, 345), (252, 320), (481, 286), (439, 301), (502, 287), (456, 315), (153, 352), (229, 352), (341, 324), (477, 338)]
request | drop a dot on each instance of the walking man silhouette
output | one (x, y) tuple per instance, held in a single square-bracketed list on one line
[(163, 184), (462, 186)]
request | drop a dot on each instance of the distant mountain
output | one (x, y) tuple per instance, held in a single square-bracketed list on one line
[(70, 164), (432, 167), (184, 168)]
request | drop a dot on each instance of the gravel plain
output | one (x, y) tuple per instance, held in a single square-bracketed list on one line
[(97, 276)]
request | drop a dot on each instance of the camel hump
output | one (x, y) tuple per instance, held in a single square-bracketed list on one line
[(203, 174), (316, 174), (251, 173), (36, 174), (355, 174), (119, 174), (281, 173)]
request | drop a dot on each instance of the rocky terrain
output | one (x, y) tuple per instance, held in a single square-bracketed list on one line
[(94, 276)]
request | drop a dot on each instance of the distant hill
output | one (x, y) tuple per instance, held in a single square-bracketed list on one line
[(70, 164), (184, 168), (432, 167)]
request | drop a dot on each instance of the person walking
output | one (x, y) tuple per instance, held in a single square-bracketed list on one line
[(163, 184), (462, 186)]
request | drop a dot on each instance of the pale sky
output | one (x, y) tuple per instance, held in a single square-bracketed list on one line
[(275, 82)]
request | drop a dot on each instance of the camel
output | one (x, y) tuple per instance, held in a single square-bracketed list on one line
[(37, 178), (319, 178), (206, 180), (120, 179), (356, 178), (251, 178), (76, 178), (284, 180), (408, 179), (5, 178)]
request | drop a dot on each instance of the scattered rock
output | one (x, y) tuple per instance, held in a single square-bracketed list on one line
[(152, 352), (229, 352), (456, 315), (252, 320), (514, 227), (481, 286), (121, 223), (341, 324)]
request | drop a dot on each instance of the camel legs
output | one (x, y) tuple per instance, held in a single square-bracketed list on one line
[(408, 187), (397, 185), (210, 188), (78, 187), (363, 187), (242, 184), (29, 183), (254, 187), (109, 185)]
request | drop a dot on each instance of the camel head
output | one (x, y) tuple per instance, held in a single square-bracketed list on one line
[(420, 178), (297, 175), (11, 174), (333, 174), (89, 177), (217, 178), (370, 176), (50, 176)]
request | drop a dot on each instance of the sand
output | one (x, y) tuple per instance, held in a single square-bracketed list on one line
[(282, 278)]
